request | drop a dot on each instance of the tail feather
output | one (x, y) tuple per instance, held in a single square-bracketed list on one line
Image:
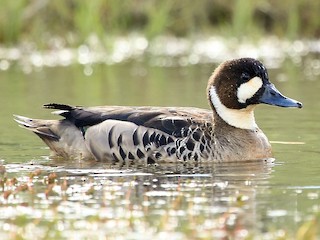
[(34, 125), (58, 106), (62, 109), (23, 121), (62, 136)]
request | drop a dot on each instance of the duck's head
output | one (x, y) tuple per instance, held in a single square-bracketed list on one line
[(237, 86)]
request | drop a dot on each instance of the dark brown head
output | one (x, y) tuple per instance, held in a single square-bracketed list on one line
[(237, 86)]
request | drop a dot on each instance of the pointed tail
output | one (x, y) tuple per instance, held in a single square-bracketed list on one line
[(39, 127)]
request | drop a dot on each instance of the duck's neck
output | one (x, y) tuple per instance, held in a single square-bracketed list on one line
[(243, 119), (239, 118)]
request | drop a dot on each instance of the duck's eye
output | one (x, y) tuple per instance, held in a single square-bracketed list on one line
[(245, 77)]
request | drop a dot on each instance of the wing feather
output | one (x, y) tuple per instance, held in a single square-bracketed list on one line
[(169, 120)]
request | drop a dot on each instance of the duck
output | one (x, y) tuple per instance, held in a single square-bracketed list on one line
[(227, 132)]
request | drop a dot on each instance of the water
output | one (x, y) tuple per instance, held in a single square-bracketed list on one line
[(45, 198)]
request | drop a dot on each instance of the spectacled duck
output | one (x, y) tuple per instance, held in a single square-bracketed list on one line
[(225, 133)]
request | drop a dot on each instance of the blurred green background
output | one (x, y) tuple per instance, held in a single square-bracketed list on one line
[(74, 20)]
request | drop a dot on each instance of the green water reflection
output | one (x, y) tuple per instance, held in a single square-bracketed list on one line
[(278, 197)]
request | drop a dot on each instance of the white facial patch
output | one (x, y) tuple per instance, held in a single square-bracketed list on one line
[(248, 89), (239, 118)]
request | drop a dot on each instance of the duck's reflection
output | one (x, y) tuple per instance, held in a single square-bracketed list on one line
[(214, 200), (225, 195)]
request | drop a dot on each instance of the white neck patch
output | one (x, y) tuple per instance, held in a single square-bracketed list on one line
[(239, 118), (248, 89)]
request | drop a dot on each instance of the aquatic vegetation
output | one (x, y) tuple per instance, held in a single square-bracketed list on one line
[(38, 21)]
